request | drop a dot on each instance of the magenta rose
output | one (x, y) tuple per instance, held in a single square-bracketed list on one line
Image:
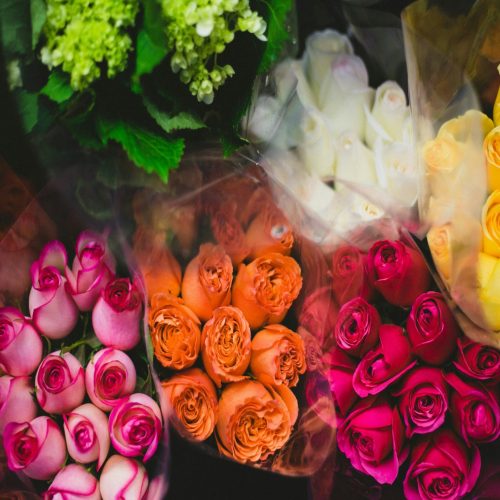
[(373, 439), (432, 329), (398, 272), (116, 315), (441, 467), (87, 435), (478, 361), (16, 400), (93, 268), (37, 448), (356, 331), (385, 363), (51, 306), (60, 383), (71, 483), (110, 375), (475, 410), (124, 478), (423, 400), (349, 275), (20, 344), (135, 426)]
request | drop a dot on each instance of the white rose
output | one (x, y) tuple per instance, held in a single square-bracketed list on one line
[(285, 79), (123, 478), (263, 119)]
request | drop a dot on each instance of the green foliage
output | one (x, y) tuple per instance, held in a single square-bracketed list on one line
[(27, 106), (15, 27), (170, 122), (38, 18), (57, 88)]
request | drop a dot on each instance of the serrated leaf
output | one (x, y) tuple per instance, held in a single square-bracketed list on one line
[(27, 107), (57, 88), (15, 27), (38, 17), (170, 122)]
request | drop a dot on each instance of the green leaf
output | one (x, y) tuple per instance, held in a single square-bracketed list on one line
[(15, 27), (27, 107), (38, 17), (170, 122), (148, 150), (57, 88)]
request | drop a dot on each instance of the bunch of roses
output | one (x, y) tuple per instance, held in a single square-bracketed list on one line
[(416, 388), (57, 405), (227, 361)]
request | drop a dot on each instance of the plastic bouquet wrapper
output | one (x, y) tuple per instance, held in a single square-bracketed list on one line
[(79, 407), (456, 115)]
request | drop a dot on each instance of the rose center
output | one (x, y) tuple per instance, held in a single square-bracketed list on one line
[(91, 255), (429, 319), (487, 359), (25, 449), (49, 278), (7, 333), (481, 420), (54, 377), (139, 429), (84, 436), (111, 380)]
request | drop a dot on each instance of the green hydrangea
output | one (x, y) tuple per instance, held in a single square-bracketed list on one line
[(85, 37), (199, 30)]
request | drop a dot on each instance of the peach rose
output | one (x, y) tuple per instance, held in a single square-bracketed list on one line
[(175, 332), (439, 240), (207, 281), (278, 356), (266, 288), (490, 221), (225, 345), (254, 420), (192, 396), (491, 148)]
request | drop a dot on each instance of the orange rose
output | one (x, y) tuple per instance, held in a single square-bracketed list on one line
[(254, 420), (207, 281), (278, 356), (193, 398), (228, 232), (266, 288), (225, 345), (175, 332)]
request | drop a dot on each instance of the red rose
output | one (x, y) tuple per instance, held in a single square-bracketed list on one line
[(478, 361)]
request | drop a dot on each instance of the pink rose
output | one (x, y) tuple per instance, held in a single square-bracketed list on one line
[(372, 437), (20, 345), (16, 401), (398, 272), (59, 382), (87, 436), (478, 361), (356, 331), (423, 400), (37, 448), (110, 376), (441, 466), (116, 315), (51, 306), (432, 329), (93, 268), (385, 363), (123, 478), (475, 410), (135, 426), (71, 483)]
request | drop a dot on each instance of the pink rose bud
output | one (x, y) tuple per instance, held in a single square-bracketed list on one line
[(116, 315), (398, 272), (135, 426), (60, 384), (93, 268), (423, 400), (123, 478), (385, 363), (432, 329), (37, 448), (16, 401), (110, 376), (72, 483), (87, 436), (53, 310), (478, 361), (20, 344)]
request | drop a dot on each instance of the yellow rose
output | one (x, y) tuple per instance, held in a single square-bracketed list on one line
[(496, 107), (489, 293), (490, 221), (439, 239), (491, 147), (442, 154), (469, 124)]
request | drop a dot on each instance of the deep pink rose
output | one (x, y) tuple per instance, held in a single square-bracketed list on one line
[(441, 467), (349, 274), (93, 268), (87, 435), (20, 344), (475, 410), (110, 375), (124, 478), (385, 363), (398, 272), (72, 483), (51, 306), (423, 400), (37, 448), (135, 426), (59, 382), (373, 439), (16, 400), (116, 315), (356, 331), (478, 361)]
